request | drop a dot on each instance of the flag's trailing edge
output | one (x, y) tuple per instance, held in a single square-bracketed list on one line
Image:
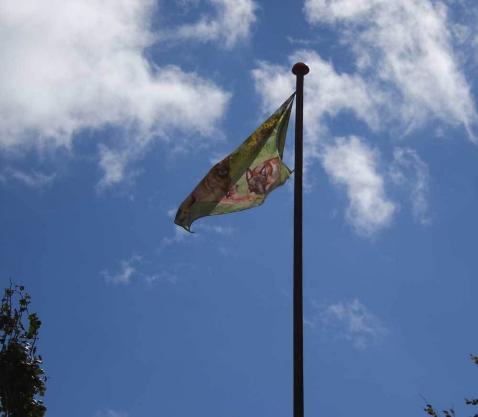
[(244, 178)]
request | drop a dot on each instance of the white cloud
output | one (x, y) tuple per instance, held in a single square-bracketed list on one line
[(219, 230), (162, 277), (406, 76), (352, 321), (68, 66), (326, 94), (349, 163), (179, 235), (127, 270), (110, 413), (404, 48), (274, 83), (113, 163), (142, 269), (172, 212), (200, 230), (231, 24), (33, 179), (331, 10), (352, 164), (411, 172)]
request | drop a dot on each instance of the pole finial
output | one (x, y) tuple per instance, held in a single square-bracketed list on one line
[(300, 69)]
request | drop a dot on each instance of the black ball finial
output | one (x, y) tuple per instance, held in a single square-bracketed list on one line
[(300, 69)]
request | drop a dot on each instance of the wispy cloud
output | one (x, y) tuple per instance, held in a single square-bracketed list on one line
[(200, 230), (218, 230), (327, 94), (161, 277), (352, 164), (59, 76), (231, 24), (172, 212), (147, 270), (404, 48), (126, 272), (179, 236), (410, 172), (348, 320), (110, 413), (406, 75), (406, 70), (32, 178)]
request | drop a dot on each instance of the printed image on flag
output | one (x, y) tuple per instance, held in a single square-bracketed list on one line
[(244, 178)]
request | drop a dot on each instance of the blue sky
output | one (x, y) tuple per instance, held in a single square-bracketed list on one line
[(111, 111)]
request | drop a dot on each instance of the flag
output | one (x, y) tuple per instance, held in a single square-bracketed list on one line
[(244, 178)]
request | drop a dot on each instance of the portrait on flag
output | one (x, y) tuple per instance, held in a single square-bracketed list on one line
[(244, 178)]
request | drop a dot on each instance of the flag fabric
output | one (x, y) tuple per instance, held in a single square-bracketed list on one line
[(244, 178)]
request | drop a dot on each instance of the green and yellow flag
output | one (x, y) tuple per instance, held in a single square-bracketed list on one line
[(244, 178)]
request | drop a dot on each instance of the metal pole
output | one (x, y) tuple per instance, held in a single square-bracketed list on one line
[(299, 69)]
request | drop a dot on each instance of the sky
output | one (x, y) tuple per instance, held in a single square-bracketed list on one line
[(110, 113)]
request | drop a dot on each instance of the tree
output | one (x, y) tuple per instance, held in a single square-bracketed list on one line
[(450, 412), (22, 380)]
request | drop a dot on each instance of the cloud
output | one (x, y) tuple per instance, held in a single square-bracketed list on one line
[(162, 277), (33, 179), (142, 269), (327, 93), (332, 10), (71, 66), (110, 413), (348, 162), (406, 76), (406, 73), (200, 230), (352, 164), (127, 271), (218, 230), (113, 164), (231, 24), (409, 171), (349, 320), (404, 48), (172, 212), (179, 235)]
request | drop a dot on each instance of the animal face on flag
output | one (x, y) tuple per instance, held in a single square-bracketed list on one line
[(243, 179), (264, 176)]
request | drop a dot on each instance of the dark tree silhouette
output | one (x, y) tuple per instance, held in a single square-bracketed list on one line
[(22, 380), (430, 410)]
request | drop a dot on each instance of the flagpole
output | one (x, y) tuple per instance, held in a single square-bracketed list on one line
[(300, 70)]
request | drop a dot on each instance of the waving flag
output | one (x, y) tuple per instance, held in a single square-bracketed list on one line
[(244, 178)]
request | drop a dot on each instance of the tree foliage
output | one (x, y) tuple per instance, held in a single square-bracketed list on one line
[(430, 410), (22, 380)]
